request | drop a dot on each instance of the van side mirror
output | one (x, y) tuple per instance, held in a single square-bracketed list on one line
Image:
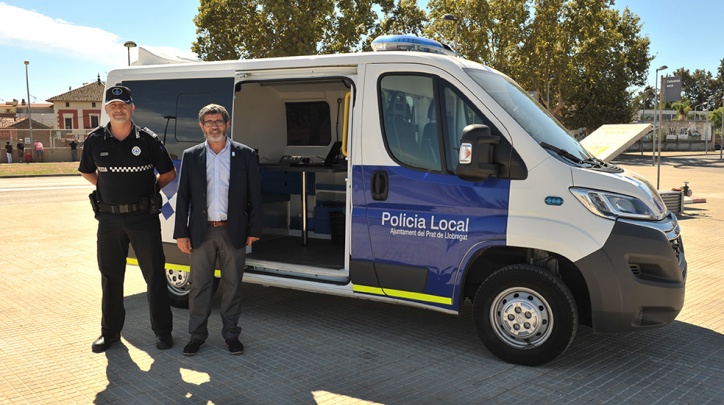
[(477, 153)]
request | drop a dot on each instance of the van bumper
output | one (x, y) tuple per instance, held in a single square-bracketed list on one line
[(637, 279)]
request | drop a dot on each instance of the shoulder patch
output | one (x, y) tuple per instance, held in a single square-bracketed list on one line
[(97, 131), (148, 132)]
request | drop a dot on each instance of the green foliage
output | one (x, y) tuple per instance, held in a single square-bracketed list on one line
[(645, 99), (583, 55), (715, 117), (606, 56), (682, 108), (402, 17), (233, 29), (698, 87)]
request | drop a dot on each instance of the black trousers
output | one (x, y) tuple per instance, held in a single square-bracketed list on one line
[(203, 263), (143, 232)]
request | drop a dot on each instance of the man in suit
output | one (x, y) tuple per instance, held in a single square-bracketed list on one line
[(218, 212)]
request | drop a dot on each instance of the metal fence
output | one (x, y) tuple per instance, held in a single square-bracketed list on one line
[(55, 142)]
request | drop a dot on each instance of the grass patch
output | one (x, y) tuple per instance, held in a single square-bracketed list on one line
[(35, 169)]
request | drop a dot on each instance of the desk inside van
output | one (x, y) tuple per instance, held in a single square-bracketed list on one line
[(303, 170)]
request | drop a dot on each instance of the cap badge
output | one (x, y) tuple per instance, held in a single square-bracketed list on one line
[(116, 91)]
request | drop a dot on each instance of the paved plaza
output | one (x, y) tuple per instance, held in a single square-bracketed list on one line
[(304, 348)]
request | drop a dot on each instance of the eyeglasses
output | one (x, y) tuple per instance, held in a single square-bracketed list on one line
[(216, 123)]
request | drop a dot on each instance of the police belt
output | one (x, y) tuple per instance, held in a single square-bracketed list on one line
[(123, 208)]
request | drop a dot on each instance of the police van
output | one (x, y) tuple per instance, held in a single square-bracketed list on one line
[(409, 175)]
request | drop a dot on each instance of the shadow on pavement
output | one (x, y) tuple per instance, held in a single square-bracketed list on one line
[(301, 347)]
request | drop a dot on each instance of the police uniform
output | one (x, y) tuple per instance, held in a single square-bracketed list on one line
[(124, 208)]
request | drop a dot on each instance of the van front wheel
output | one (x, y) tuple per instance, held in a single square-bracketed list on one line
[(179, 286), (525, 315)]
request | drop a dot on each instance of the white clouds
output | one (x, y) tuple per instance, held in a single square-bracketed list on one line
[(26, 29), (66, 52)]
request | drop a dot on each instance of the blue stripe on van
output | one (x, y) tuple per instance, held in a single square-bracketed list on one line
[(430, 220)]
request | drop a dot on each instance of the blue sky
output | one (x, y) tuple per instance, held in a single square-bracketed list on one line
[(69, 43)]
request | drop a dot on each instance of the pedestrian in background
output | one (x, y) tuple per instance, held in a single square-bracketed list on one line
[(218, 212), (73, 150), (21, 150), (120, 159), (39, 150), (9, 151)]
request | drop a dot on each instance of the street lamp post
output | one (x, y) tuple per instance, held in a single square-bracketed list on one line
[(129, 45), (721, 138), (548, 92), (450, 17), (653, 141), (708, 130), (30, 111)]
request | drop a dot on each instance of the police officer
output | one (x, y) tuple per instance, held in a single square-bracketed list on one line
[(119, 159)]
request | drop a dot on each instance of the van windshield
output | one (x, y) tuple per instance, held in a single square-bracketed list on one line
[(534, 119)]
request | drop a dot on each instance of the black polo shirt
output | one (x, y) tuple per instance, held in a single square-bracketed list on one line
[(125, 168)]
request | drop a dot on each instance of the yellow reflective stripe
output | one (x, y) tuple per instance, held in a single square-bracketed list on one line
[(172, 266), (178, 267), (367, 289), (403, 294), (419, 297)]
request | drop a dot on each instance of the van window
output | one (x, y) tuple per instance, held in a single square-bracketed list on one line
[(187, 116), (170, 108), (412, 126), (409, 120), (534, 118), (308, 123), (459, 113)]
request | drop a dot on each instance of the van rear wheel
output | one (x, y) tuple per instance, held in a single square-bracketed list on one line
[(179, 286), (525, 315)]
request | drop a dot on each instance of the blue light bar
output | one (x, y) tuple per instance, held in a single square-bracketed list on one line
[(409, 43)]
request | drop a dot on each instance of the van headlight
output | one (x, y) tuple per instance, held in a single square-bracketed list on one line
[(613, 206)]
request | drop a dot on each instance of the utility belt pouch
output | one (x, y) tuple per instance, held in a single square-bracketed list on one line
[(153, 203), (94, 201)]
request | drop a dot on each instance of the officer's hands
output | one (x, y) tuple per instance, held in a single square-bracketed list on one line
[(184, 244), (250, 240)]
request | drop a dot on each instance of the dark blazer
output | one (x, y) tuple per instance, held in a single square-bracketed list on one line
[(245, 213)]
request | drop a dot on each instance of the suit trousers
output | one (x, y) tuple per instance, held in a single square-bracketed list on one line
[(143, 232), (203, 263)]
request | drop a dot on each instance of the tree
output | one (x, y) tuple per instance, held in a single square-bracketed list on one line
[(353, 20), (473, 22), (607, 55), (646, 99), (682, 108), (233, 29), (719, 84), (584, 51), (405, 17), (489, 31), (544, 49), (715, 117)]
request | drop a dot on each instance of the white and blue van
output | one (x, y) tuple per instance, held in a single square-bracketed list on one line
[(412, 176)]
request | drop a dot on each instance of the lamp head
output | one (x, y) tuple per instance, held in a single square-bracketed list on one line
[(449, 17)]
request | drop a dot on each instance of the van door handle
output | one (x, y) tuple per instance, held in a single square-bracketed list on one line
[(379, 185)]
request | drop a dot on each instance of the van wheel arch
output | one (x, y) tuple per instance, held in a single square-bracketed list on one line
[(178, 285), (524, 314), (486, 261)]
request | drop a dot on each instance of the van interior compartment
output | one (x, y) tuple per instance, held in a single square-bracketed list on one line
[(321, 253), (296, 128)]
